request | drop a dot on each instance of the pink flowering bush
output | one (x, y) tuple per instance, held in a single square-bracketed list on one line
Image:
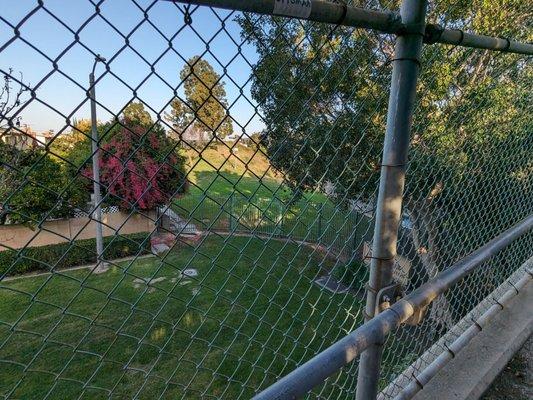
[(141, 169)]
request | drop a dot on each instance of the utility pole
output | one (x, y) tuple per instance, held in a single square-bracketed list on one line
[(96, 214)]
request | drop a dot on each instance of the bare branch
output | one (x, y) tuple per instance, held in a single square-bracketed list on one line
[(11, 98)]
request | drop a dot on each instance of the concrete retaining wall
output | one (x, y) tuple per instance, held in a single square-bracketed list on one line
[(64, 230)]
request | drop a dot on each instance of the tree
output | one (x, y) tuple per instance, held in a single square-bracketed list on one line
[(33, 186), (36, 188), (141, 169), (140, 165), (135, 114), (9, 158), (321, 90), (9, 154), (73, 152), (315, 108), (205, 108), (12, 95), (73, 147)]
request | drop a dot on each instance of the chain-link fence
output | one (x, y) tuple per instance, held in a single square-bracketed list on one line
[(191, 200), (342, 231), (477, 147)]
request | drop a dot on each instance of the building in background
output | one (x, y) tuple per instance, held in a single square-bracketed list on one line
[(25, 137), (194, 134)]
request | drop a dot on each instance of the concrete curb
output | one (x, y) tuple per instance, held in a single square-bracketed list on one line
[(473, 369)]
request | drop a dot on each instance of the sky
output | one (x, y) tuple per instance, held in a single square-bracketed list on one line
[(62, 93)]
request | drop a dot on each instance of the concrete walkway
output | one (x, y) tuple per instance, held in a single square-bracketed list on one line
[(474, 368), (78, 267)]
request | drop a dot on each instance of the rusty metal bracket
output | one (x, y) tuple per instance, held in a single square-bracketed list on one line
[(387, 296), (393, 293), (418, 316)]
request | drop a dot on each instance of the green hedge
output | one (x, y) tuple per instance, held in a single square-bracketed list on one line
[(65, 255)]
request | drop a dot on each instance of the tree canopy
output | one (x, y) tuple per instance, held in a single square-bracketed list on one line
[(323, 94), (74, 147), (141, 169), (13, 93), (35, 187), (140, 165), (135, 114), (205, 106)]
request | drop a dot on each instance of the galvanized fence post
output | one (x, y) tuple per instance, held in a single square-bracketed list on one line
[(389, 205), (96, 213)]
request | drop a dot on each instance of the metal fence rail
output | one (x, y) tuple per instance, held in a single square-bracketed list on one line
[(319, 368), (388, 22), (298, 183)]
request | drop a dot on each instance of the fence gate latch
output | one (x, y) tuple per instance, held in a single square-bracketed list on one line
[(388, 296)]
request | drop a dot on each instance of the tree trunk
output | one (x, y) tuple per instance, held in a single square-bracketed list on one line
[(423, 235)]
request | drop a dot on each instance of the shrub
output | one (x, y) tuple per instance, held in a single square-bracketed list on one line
[(34, 187), (65, 255), (141, 169)]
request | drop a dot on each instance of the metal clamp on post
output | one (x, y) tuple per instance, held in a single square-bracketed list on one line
[(413, 29), (432, 33), (388, 296), (391, 294)]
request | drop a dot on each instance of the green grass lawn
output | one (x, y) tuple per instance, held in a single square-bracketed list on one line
[(320, 222), (250, 315), (241, 193), (219, 173)]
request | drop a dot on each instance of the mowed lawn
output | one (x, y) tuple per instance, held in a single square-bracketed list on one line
[(242, 193), (246, 174), (251, 314), (219, 173)]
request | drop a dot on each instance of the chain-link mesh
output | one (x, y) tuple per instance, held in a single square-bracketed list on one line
[(239, 160), (469, 179)]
